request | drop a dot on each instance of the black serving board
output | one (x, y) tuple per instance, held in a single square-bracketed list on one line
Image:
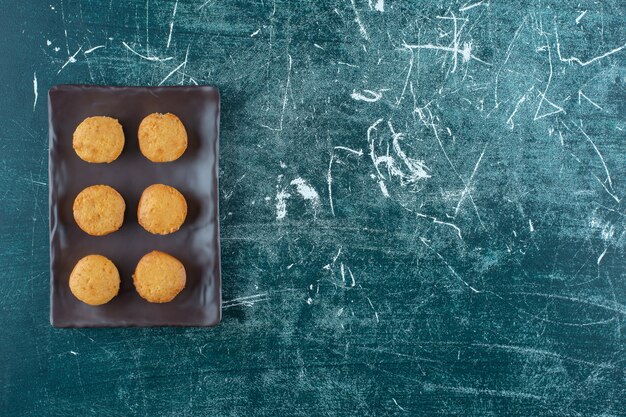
[(195, 175)]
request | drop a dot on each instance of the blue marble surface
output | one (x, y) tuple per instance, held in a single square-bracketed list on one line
[(421, 208)]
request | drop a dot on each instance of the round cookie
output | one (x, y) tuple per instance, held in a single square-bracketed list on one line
[(98, 139), (95, 280), (162, 209), (99, 210), (159, 277), (162, 137)]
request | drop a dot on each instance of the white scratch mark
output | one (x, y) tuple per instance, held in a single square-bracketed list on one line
[(256, 32), (580, 16), (435, 220), (375, 159), (372, 96), (204, 4), (526, 351), (383, 188), (147, 58), (418, 169), (147, 31), (329, 182), (601, 256), (545, 91), (373, 309), (612, 194), (510, 121), (465, 8), (337, 255), (581, 94), (73, 353), (408, 75), (247, 301), (90, 50), (319, 47), (481, 392), (169, 37), (531, 227), (70, 60), (618, 308), (606, 169), (579, 61), (506, 59), (359, 152), (247, 297), (469, 182), (67, 45), (353, 282), (307, 192), (457, 276), (285, 95), (329, 174), (35, 90), (398, 405), (607, 232), (182, 79), (357, 19), (380, 5), (466, 52), (290, 266), (347, 65), (173, 71), (281, 204)]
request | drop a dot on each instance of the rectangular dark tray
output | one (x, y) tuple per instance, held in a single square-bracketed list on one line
[(195, 175)]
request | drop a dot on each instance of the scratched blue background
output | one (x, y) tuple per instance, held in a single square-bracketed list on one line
[(421, 208)]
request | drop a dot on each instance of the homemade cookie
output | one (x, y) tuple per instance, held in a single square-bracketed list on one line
[(162, 209), (162, 137), (98, 139), (95, 280), (159, 277), (99, 210)]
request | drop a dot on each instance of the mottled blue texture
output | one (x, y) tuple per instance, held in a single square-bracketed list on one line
[(421, 208)]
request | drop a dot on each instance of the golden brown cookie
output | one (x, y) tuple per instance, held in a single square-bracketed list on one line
[(95, 280), (162, 209), (162, 137), (99, 139), (99, 210), (159, 277)]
